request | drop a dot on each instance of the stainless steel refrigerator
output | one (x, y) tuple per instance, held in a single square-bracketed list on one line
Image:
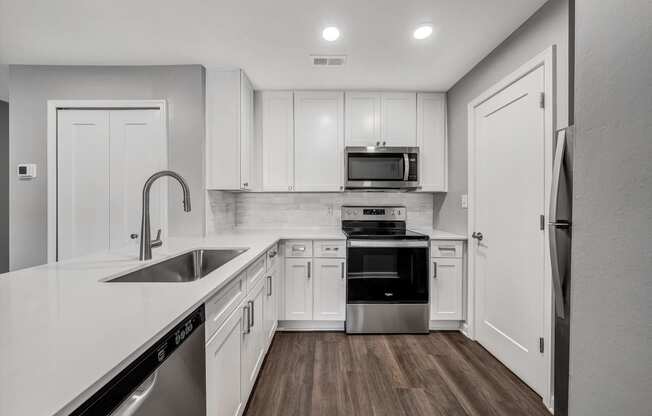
[(560, 229)]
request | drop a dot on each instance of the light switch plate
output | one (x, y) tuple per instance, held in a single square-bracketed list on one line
[(464, 201)]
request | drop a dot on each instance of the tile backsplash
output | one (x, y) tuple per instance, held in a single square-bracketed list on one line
[(274, 210)]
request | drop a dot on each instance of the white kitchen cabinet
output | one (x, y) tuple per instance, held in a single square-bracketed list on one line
[(398, 119), (380, 118), (446, 289), (270, 311), (432, 142), (223, 367), (277, 137), (229, 130), (318, 140), (254, 340), (298, 289), (329, 289), (362, 119)]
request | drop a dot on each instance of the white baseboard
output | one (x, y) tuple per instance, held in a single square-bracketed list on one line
[(445, 325), (289, 326)]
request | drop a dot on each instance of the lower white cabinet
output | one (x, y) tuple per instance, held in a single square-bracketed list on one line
[(446, 289), (329, 289), (270, 312), (223, 367), (298, 289), (254, 337)]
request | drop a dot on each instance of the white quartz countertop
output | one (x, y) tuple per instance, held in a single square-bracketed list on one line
[(65, 332)]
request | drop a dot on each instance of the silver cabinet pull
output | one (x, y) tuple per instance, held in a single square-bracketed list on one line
[(245, 317), (434, 268), (269, 287), (272, 254), (246, 184), (298, 248), (251, 315), (342, 270), (309, 267), (377, 143), (384, 143)]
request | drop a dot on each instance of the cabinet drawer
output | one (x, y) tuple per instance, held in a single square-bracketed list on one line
[(272, 257), (298, 248), (220, 305), (256, 271), (446, 249), (330, 248)]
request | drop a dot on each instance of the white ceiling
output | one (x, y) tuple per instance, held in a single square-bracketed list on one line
[(270, 39)]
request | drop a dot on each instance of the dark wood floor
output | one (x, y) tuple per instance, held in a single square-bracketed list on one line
[(444, 373)]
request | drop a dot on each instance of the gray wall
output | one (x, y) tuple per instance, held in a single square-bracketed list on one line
[(548, 26), (31, 86), (611, 293), (4, 186)]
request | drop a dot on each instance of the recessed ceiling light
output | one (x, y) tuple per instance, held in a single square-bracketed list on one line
[(423, 32), (331, 33)]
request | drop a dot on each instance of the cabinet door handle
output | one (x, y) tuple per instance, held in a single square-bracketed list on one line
[(272, 254), (298, 248), (269, 287), (245, 317), (342, 270), (434, 268), (309, 264), (251, 315)]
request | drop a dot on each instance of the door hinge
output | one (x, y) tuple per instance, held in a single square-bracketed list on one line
[(542, 100), (541, 345), (542, 222)]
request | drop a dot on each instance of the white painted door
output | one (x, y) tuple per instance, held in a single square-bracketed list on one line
[(270, 313), (399, 119), (298, 289), (330, 290), (137, 151), (223, 368), (278, 140), (318, 140), (432, 142), (362, 118), (253, 341), (446, 290), (509, 177), (103, 160), (83, 204)]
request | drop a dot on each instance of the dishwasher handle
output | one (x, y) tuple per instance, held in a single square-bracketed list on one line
[(130, 406)]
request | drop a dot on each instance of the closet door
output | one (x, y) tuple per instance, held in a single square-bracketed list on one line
[(83, 182)]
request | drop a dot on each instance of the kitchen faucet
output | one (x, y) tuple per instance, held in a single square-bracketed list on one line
[(146, 242)]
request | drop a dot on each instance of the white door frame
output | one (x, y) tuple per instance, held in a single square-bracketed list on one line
[(53, 107), (545, 59)]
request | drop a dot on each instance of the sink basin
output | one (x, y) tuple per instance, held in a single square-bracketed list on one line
[(186, 267)]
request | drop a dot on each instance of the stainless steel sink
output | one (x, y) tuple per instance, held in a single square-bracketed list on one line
[(183, 268)]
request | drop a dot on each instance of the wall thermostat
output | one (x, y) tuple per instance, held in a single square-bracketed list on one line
[(26, 171)]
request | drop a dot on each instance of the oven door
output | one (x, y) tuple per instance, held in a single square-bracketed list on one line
[(381, 168), (387, 271)]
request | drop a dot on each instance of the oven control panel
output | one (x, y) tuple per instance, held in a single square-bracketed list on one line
[(386, 213)]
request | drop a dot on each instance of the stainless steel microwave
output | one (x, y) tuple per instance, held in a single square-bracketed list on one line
[(381, 167)]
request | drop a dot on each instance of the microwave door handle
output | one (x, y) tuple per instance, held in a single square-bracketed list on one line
[(406, 165)]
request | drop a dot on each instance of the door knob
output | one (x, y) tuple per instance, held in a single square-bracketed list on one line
[(477, 236)]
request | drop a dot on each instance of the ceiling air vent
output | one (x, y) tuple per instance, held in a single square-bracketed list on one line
[(328, 60)]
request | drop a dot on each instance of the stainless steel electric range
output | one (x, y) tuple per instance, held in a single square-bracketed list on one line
[(387, 272)]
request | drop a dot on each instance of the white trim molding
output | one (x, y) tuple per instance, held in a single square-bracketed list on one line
[(52, 107), (545, 59)]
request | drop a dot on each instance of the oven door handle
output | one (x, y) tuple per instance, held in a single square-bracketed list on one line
[(386, 243)]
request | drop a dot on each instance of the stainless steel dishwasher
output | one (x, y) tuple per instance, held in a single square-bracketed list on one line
[(168, 379)]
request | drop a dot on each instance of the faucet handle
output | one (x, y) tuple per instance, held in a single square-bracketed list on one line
[(157, 242)]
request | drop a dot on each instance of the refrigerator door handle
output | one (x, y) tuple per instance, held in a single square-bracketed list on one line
[(557, 283)]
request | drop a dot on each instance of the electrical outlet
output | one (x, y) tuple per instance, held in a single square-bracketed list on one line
[(464, 201)]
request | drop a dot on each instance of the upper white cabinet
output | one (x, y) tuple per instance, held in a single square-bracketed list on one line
[(318, 140), (399, 119), (277, 136), (380, 118), (362, 118), (229, 130), (432, 142)]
